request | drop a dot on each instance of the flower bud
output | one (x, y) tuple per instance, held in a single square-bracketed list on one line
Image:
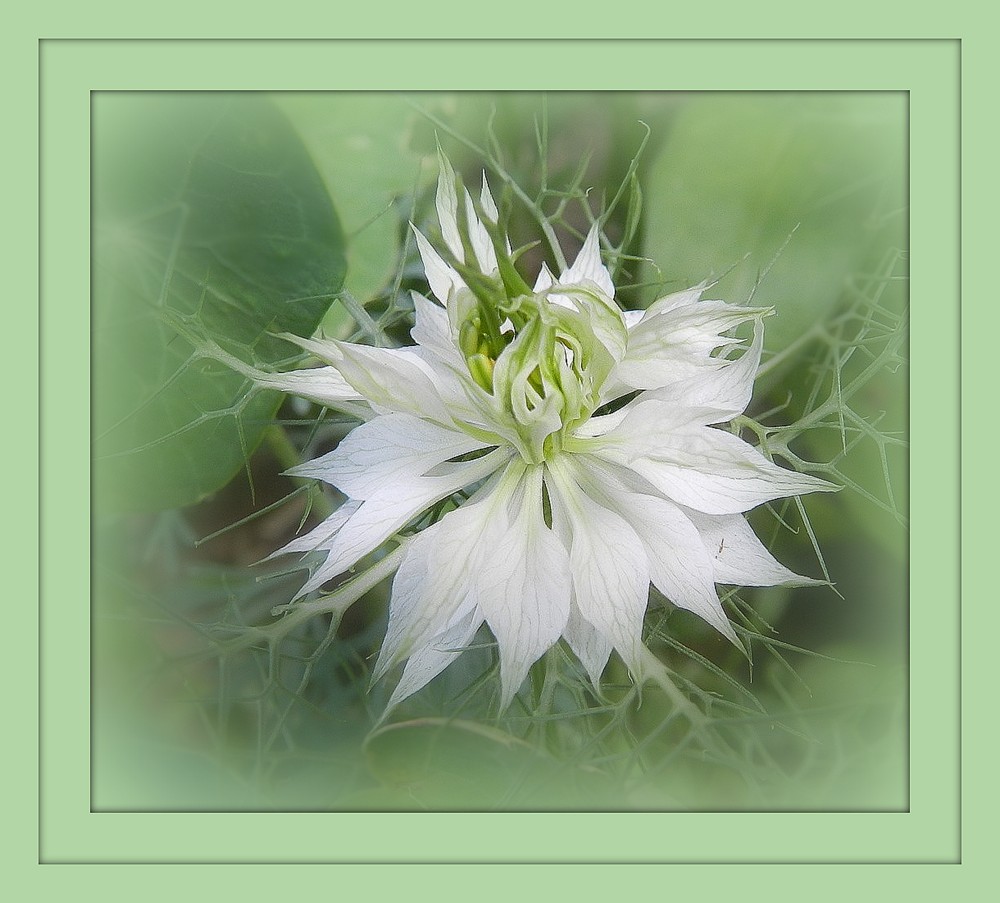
[(481, 368)]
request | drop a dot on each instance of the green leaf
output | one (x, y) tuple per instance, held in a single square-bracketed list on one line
[(207, 209), (814, 180), (361, 146)]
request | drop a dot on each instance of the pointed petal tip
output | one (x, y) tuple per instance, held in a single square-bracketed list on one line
[(741, 647), (441, 277), (719, 621), (545, 279), (589, 266), (486, 201), (443, 160), (795, 580), (507, 694), (383, 665), (818, 484)]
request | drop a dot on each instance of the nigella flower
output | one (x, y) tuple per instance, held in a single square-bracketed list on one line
[(585, 441)]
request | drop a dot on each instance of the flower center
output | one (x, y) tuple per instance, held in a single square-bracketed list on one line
[(540, 359)]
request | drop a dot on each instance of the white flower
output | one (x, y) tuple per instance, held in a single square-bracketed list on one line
[(586, 438)]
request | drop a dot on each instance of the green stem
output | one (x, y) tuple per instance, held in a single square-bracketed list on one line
[(653, 669)]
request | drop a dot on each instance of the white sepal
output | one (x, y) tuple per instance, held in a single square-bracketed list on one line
[(676, 342), (325, 349), (434, 585), (698, 466), (679, 563), (322, 385), (722, 390), (523, 586), (588, 265), (739, 557), (431, 587), (545, 281), (488, 204), (321, 537), (726, 389), (394, 379), (391, 449), (441, 277), (591, 646), (479, 238), (608, 562), (383, 514), (674, 300), (431, 329), (446, 202), (430, 660)]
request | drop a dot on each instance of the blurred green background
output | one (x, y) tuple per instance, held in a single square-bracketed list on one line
[(234, 217)]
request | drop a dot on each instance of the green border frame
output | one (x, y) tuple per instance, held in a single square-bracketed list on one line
[(929, 833)]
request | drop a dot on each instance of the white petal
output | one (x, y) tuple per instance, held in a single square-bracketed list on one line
[(608, 562), (433, 586), (600, 315), (323, 385), (546, 280), (325, 349), (654, 413), (487, 202), (599, 426), (426, 663), (674, 300), (446, 202), (430, 319), (490, 209), (677, 343), (430, 590), (394, 379), (691, 327), (436, 347), (535, 417), (679, 563), (382, 515), (408, 611), (737, 471), (321, 537), (654, 373), (725, 389), (632, 317), (646, 424), (738, 556), (391, 448), (440, 276), (588, 265), (523, 587), (589, 645), (433, 331), (479, 238), (464, 399), (703, 468)]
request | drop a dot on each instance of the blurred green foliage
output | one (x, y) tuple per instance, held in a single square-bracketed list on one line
[(801, 191), (206, 208), (360, 144)]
